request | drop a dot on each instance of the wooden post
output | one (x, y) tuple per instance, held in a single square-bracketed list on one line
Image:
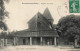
[(6, 42), (2, 43), (14, 41), (55, 41), (30, 40), (41, 40)]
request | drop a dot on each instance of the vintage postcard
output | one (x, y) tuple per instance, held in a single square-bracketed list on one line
[(39, 25)]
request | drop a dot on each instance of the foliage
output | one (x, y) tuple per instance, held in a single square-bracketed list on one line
[(69, 26), (7, 35), (3, 35), (3, 14), (11, 34)]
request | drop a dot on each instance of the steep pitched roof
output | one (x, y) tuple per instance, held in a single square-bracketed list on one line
[(38, 18), (47, 14), (32, 23)]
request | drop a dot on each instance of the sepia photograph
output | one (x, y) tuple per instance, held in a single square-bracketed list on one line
[(39, 25)]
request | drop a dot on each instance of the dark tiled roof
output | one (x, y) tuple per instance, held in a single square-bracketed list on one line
[(46, 33), (47, 14)]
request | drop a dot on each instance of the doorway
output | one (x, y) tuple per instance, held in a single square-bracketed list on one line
[(36, 41), (48, 41), (24, 41)]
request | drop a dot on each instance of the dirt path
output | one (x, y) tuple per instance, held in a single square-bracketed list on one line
[(36, 48)]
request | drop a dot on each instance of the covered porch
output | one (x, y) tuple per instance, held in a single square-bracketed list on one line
[(35, 41), (47, 37)]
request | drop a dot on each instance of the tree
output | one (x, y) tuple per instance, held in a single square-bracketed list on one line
[(3, 14), (69, 27), (3, 26)]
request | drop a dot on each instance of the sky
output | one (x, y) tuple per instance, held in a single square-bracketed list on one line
[(21, 11)]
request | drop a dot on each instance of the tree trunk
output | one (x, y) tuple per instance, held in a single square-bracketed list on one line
[(75, 43)]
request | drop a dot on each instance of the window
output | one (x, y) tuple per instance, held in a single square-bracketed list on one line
[(39, 24)]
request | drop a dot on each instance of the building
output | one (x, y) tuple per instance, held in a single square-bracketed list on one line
[(40, 32)]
